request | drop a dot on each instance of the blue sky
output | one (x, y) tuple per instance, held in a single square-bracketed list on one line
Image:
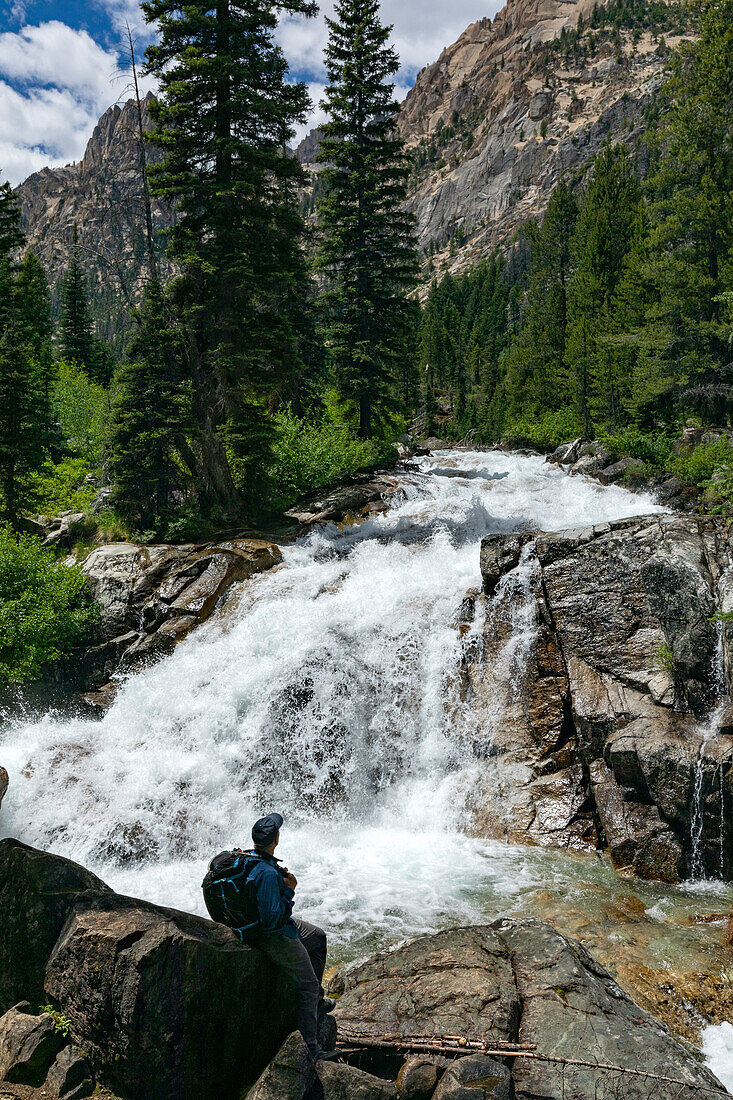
[(62, 64)]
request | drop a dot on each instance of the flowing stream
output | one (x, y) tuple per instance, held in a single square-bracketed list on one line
[(328, 689)]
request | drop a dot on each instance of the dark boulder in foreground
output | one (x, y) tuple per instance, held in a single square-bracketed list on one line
[(38, 891), (165, 1005)]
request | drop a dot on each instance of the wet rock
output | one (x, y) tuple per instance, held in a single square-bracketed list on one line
[(349, 499), (341, 1082), (476, 1077), (152, 596), (71, 1076), (458, 982), (499, 555), (573, 1009), (37, 893), (567, 453), (3, 784), (132, 978), (618, 667), (418, 1078), (28, 1046)]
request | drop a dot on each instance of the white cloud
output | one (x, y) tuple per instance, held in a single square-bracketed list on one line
[(55, 82)]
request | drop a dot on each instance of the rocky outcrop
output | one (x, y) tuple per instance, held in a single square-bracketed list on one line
[(353, 499), (101, 196), (607, 733), (520, 978), (504, 111), (3, 784), (164, 1005), (150, 597)]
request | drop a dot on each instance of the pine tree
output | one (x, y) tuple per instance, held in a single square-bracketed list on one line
[(149, 455), (223, 119), (34, 309), (603, 240), (24, 416), (78, 344), (367, 252)]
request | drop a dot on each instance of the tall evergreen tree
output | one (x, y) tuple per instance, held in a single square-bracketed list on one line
[(223, 119), (367, 250), (77, 342), (34, 308), (149, 454), (24, 417)]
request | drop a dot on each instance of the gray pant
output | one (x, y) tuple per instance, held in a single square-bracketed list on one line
[(303, 961)]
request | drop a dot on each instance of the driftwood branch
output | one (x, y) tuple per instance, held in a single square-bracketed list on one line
[(455, 1046)]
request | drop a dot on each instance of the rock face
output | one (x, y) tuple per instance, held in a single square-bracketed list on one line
[(28, 1046), (357, 496), (152, 596), (519, 978), (164, 1005), (3, 784), (501, 114), (607, 733), (101, 195)]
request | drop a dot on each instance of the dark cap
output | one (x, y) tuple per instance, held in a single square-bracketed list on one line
[(266, 829)]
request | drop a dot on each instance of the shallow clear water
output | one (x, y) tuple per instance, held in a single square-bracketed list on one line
[(327, 689)]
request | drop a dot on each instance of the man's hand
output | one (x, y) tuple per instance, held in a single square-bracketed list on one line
[(290, 880)]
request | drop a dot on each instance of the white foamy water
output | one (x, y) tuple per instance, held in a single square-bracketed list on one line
[(717, 1046), (326, 689)]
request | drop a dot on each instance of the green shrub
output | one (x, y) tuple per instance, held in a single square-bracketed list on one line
[(46, 608), (653, 448), (308, 455), (82, 410), (61, 488), (696, 467), (548, 429)]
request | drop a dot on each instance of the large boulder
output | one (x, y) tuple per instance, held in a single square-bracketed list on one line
[(520, 980), (358, 495), (150, 597), (38, 891), (166, 1005), (603, 679)]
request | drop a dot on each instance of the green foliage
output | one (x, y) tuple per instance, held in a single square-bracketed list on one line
[(664, 657), (61, 1023), (697, 465), (367, 251), (546, 430), (81, 407), (309, 455), (46, 608), (78, 342), (224, 116), (653, 448), (59, 487)]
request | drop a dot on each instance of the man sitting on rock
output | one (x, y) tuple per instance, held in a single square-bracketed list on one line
[(253, 894)]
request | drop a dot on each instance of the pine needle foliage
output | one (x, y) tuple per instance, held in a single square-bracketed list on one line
[(367, 253), (223, 119)]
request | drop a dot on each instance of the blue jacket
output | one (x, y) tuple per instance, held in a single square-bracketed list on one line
[(274, 898)]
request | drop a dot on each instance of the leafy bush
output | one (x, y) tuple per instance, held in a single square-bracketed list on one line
[(308, 455), (652, 448), (548, 429), (46, 608), (696, 467), (61, 488), (82, 410)]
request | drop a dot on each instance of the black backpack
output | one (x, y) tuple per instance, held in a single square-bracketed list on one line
[(229, 897)]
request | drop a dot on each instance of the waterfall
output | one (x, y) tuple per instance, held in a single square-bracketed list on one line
[(698, 863), (328, 689)]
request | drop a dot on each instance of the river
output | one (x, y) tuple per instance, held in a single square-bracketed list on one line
[(326, 689)]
